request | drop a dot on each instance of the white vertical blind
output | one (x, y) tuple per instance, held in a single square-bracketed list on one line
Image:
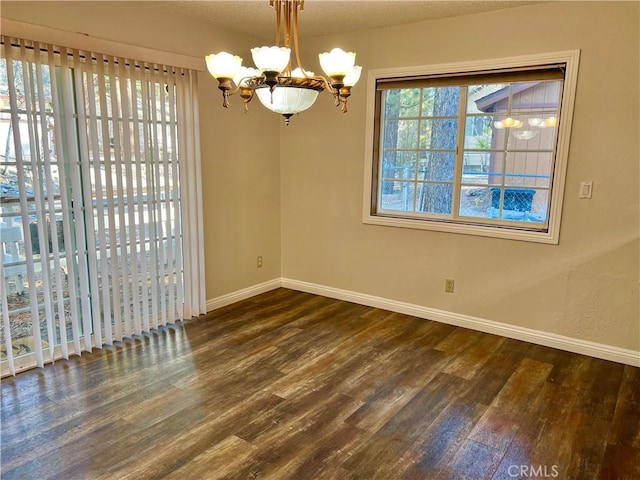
[(105, 157)]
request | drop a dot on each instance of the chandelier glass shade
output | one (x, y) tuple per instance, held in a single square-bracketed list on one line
[(287, 101), (280, 88)]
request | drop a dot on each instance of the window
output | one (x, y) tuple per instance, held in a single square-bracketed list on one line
[(477, 148)]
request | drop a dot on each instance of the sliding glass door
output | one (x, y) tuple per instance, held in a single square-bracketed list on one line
[(90, 212)]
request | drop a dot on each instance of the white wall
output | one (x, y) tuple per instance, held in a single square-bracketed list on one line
[(587, 287)]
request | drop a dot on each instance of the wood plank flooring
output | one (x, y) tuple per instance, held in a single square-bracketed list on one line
[(289, 385)]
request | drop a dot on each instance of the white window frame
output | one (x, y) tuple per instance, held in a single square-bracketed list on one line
[(551, 236)]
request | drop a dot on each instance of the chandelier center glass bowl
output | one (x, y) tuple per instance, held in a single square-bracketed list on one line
[(280, 88)]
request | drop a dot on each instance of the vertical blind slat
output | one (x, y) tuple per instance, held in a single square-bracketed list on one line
[(101, 190), (23, 204), (32, 106), (142, 222), (59, 153), (106, 108), (170, 286), (129, 157), (72, 159), (176, 197), (159, 231), (195, 208), (48, 197), (67, 163), (123, 273), (148, 152), (6, 323), (185, 177), (82, 201), (94, 190), (137, 202)]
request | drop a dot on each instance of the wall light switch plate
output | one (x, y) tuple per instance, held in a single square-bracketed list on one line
[(586, 189)]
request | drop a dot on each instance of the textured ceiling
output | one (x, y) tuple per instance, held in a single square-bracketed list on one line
[(321, 17)]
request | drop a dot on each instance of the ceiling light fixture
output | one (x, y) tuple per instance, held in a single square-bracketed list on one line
[(278, 87)]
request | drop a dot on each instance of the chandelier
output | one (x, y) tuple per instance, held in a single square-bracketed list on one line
[(278, 87)]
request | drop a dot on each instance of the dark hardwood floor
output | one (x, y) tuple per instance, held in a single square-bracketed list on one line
[(289, 385)]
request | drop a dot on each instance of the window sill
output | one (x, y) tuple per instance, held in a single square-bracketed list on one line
[(508, 233)]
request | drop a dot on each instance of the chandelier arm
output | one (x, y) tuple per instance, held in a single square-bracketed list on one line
[(327, 85), (329, 88), (277, 6), (287, 30), (233, 91), (295, 39), (258, 80)]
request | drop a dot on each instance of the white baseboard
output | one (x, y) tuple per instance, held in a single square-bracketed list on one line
[(598, 350), (252, 291)]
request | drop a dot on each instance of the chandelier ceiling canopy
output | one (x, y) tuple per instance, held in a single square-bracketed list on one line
[(280, 88)]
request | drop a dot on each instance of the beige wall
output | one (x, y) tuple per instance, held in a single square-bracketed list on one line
[(240, 153), (302, 195), (587, 286)]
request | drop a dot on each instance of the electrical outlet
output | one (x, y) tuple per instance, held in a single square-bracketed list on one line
[(259, 261), (449, 285), (586, 189)]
